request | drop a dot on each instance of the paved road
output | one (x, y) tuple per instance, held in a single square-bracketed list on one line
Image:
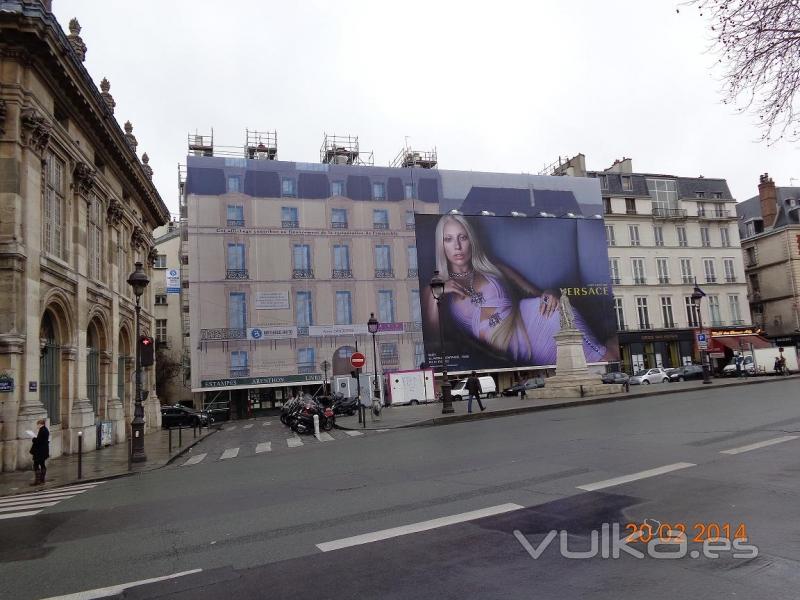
[(255, 523)]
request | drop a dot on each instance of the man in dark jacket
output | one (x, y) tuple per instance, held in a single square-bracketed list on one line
[(41, 451), (474, 389)]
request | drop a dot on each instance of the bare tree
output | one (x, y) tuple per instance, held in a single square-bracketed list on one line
[(758, 42), (166, 370)]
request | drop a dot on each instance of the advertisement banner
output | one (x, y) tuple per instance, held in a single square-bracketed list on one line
[(504, 280), (272, 300), (173, 281), (356, 329), (279, 332)]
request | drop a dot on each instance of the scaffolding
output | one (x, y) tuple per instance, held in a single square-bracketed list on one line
[(201, 145), (343, 150), (408, 157), (556, 167), (261, 145)]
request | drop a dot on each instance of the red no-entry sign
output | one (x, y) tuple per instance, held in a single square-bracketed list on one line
[(358, 360)]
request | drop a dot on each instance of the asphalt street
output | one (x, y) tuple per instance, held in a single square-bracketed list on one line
[(453, 512)]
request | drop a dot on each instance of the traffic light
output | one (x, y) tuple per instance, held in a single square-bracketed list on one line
[(147, 351)]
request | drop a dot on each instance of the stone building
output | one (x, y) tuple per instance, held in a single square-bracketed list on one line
[(770, 228), (77, 210)]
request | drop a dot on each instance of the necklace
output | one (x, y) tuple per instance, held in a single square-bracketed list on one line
[(475, 296)]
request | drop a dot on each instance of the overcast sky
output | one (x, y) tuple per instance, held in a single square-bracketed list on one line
[(494, 86)]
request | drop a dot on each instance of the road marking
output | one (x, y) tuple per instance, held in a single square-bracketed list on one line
[(231, 428), (118, 589), (599, 485), (385, 534), (28, 505), (381, 430), (757, 445), (247, 426), (264, 447), (324, 437), (265, 423), (352, 433), (43, 496), (195, 459), (229, 453), (72, 489), (20, 514), (294, 442)]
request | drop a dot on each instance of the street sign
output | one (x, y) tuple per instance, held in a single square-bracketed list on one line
[(701, 337), (358, 360)]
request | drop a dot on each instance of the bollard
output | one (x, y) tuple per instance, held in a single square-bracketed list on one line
[(316, 425), (170, 439), (80, 454), (180, 436), (581, 391)]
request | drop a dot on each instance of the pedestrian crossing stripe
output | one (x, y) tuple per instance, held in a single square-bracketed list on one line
[(247, 426), (229, 453), (264, 447), (21, 505)]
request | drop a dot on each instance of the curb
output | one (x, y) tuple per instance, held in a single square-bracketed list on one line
[(438, 421), (189, 447)]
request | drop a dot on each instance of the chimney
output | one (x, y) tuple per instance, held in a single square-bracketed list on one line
[(769, 200)]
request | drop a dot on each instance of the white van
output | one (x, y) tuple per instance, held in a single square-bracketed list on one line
[(488, 388)]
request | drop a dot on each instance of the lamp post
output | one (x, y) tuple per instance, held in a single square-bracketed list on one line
[(372, 327), (325, 365), (697, 296), (138, 281), (437, 289)]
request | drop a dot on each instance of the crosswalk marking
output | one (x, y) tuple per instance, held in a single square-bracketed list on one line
[(229, 428), (12, 507), (28, 505), (229, 453), (247, 426), (195, 459), (20, 514), (323, 436), (265, 423), (352, 433), (264, 447), (43, 495), (294, 442)]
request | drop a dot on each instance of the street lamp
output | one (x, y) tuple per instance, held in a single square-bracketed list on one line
[(372, 327), (437, 289), (697, 296), (138, 281), (325, 365)]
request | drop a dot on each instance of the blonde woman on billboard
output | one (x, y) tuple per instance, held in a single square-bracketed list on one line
[(483, 302)]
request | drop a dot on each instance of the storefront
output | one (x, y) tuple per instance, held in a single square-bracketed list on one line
[(649, 349), (248, 397), (725, 343)]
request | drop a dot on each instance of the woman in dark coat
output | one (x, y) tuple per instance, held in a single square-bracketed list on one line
[(41, 451)]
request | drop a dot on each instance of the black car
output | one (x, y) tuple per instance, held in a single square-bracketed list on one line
[(181, 416), (686, 372), (615, 377), (528, 384)]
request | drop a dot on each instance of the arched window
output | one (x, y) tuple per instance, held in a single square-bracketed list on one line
[(49, 371)]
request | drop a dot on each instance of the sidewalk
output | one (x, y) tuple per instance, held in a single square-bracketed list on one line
[(105, 463), (394, 417)]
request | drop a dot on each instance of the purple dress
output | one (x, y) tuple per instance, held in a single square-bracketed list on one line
[(540, 329)]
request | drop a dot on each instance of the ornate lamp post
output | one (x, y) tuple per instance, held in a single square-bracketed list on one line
[(372, 327), (697, 296), (437, 289), (138, 281)]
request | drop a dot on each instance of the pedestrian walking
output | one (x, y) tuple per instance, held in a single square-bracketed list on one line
[(738, 360), (40, 449), (474, 389)]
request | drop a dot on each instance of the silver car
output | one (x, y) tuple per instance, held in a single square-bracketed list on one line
[(648, 376)]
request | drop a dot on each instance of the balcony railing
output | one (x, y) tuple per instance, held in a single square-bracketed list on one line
[(616, 281), (645, 326), (412, 326), (663, 280), (730, 280), (380, 226), (413, 273), (687, 279), (302, 273), (305, 369), (639, 280), (302, 330), (235, 222), (750, 262), (384, 274), (290, 224), (341, 274), (711, 279), (630, 211), (222, 334), (236, 274), (660, 212), (338, 224), (240, 372), (717, 213)]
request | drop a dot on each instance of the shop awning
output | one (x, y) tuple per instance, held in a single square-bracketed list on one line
[(742, 342)]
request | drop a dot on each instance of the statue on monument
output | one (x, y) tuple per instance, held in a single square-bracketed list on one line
[(567, 314)]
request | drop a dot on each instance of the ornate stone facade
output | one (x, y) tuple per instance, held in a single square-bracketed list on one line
[(73, 220)]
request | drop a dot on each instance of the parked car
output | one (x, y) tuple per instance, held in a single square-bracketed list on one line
[(182, 416), (488, 388), (686, 372), (615, 377), (528, 384), (747, 367), (648, 376)]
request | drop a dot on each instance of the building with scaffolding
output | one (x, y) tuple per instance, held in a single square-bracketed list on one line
[(283, 262)]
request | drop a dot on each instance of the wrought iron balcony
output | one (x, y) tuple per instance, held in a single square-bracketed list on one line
[(235, 222), (222, 334), (688, 279), (384, 273), (302, 273), (341, 274), (660, 212), (305, 369), (240, 372), (639, 280), (236, 274), (338, 224), (711, 279), (290, 224), (616, 281), (380, 226), (717, 213)]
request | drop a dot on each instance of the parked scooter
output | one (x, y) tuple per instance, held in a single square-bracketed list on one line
[(303, 420), (344, 406), (289, 408)]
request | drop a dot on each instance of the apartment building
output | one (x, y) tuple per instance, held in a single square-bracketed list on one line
[(665, 233), (770, 233)]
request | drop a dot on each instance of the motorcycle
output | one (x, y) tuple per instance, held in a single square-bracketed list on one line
[(289, 409), (344, 406), (303, 420)]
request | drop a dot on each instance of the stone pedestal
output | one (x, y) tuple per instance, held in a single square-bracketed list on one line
[(116, 413), (82, 418)]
